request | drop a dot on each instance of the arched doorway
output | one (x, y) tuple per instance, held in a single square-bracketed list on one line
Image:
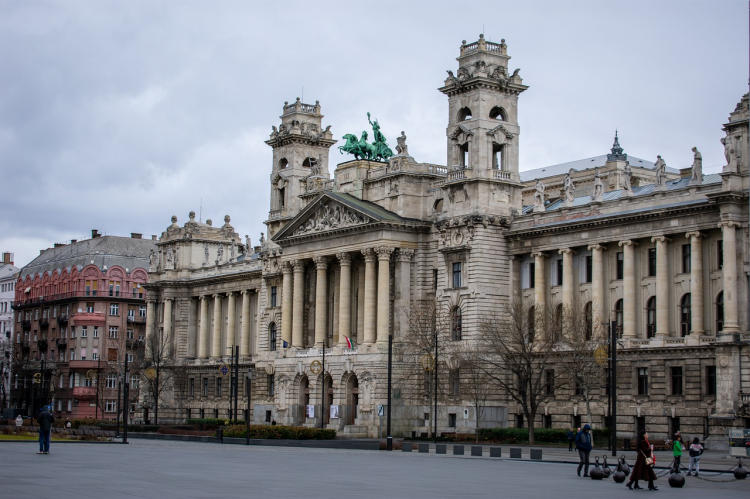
[(304, 399), (352, 399)]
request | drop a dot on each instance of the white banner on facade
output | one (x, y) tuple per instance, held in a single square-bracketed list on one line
[(310, 411), (334, 412)]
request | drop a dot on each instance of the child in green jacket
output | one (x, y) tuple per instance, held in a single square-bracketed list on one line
[(677, 449)]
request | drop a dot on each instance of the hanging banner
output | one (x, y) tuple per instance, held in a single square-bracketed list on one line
[(334, 412), (310, 411)]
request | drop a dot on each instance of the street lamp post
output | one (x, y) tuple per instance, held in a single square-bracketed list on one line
[(125, 403), (248, 390), (389, 438), (613, 387)]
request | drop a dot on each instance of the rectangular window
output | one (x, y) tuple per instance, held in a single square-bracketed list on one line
[(89, 381), (131, 312), (454, 382), (711, 380), (579, 388), (89, 308), (519, 420), (84, 331), (652, 262), (676, 375), (550, 381), (547, 421), (619, 266), (131, 335), (457, 275), (589, 269), (273, 296), (643, 381), (91, 288), (685, 258), (191, 388), (111, 381), (218, 387), (532, 275), (559, 272), (114, 309), (135, 381), (720, 254), (205, 387), (96, 331), (452, 420), (130, 357), (435, 279), (111, 406), (271, 385), (114, 288), (142, 311), (113, 332), (94, 356)]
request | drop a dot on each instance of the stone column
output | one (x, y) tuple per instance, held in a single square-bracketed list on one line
[(515, 277), (203, 330), (384, 292), (628, 295), (598, 316), (568, 285), (696, 282), (321, 286), (662, 286), (216, 336), (729, 274), (245, 330), (286, 302), (298, 304), (168, 318), (540, 281), (402, 298), (370, 296), (345, 297), (150, 318), (231, 321)]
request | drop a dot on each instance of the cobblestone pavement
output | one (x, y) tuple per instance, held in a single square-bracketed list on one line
[(168, 469)]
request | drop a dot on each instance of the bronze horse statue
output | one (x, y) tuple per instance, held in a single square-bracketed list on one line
[(359, 148)]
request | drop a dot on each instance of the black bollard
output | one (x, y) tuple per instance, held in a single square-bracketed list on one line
[(740, 473), (605, 469), (624, 465), (596, 473), (619, 476)]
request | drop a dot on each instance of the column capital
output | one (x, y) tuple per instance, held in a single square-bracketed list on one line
[(384, 252), (299, 265), (694, 234), (728, 224), (216, 295), (286, 267), (151, 301), (660, 239), (596, 246), (539, 254), (565, 251), (369, 254), (229, 293), (628, 242), (344, 258), (404, 254), (321, 262), (244, 292)]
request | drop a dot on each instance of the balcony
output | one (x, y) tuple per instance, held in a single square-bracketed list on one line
[(62, 319), (41, 345), (62, 343), (44, 322), (25, 345), (138, 294), (136, 320), (134, 344), (84, 392), (83, 364), (25, 325)]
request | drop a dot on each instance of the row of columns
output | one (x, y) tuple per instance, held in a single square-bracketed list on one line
[(376, 325), (599, 314), (215, 333)]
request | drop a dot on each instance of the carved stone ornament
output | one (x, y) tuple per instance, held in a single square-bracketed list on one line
[(331, 216)]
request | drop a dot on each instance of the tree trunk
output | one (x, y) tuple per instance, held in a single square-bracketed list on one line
[(531, 417), (588, 404)]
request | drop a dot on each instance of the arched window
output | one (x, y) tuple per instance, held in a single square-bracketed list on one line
[(283, 163), (588, 312), (720, 312), (498, 113), (438, 205), (530, 324), (309, 162), (685, 319), (456, 324), (618, 317), (651, 317), (464, 114), (272, 336)]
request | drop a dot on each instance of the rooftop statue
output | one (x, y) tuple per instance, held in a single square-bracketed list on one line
[(361, 149)]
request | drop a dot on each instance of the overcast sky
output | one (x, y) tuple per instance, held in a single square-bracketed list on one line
[(117, 115)]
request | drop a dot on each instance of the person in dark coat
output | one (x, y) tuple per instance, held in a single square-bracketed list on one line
[(642, 471), (45, 419), (584, 444), (571, 438)]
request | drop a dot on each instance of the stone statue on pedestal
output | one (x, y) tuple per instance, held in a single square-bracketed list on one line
[(233, 250), (220, 254), (248, 245), (697, 166), (661, 171), (170, 258), (152, 261), (401, 147), (570, 188), (598, 186), (539, 196), (205, 254), (627, 174), (729, 154)]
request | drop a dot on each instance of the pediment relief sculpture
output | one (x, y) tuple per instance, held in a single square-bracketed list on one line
[(331, 216), (500, 128)]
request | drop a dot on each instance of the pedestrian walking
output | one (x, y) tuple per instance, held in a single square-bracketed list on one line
[(571, 438), (45, 420), (677, 448), (644, 464), (695, 451), (584, 444)]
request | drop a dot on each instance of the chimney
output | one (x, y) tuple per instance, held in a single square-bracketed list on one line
[(8, 258), (94, 233), (153, 237), (57, 245), (135, 235), (73, 241)]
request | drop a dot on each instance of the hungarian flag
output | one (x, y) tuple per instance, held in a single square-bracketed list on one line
[(348, 342)]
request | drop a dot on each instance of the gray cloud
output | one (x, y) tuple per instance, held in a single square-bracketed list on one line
[(116, 116)]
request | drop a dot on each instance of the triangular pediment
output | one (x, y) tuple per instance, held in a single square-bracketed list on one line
[(460, 129), (501, 128), (334, 211)]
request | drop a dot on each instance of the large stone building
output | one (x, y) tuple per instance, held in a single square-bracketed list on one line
[(79, 309), (354, 254), (8, 275)]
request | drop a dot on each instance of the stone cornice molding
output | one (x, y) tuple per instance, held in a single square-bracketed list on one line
[(661, 239), (627, 242)]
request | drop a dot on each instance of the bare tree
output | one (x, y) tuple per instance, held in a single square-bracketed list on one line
[(180, 382), (157, 364), (475, 382), (584, 359), (521, 357)]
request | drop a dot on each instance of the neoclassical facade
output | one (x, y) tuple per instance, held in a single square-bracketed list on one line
[(353, 254)]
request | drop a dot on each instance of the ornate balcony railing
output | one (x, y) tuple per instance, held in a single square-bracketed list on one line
[(140, 294)]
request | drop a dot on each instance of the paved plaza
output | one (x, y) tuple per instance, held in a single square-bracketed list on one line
[(165, 469)]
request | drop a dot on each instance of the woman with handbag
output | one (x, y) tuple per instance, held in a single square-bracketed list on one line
[(644, 464)]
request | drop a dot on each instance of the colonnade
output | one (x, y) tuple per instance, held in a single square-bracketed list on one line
[(599, 313), (376, 293)]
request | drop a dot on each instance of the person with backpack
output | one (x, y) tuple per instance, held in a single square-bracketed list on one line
[(45, 419), (696, 449)]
